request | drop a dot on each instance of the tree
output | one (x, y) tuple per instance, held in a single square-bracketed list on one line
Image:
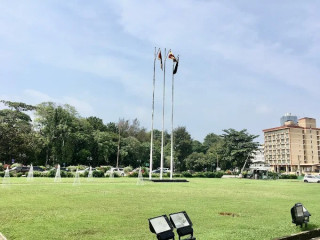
[(17, 138), (198, 147), (215, 154), (197, 162), (57, 125), (237, 146), (182, 147), (97, 123), (210, 140), (107, 147)]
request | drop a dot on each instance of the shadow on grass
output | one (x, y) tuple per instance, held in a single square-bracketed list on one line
[(310, 226)]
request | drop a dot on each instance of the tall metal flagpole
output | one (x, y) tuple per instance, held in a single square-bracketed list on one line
[(162, 135), (151, 142), (172, 92)]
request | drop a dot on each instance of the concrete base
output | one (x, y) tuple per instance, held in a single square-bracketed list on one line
[(2, 237), (169, 180), (306, 235)]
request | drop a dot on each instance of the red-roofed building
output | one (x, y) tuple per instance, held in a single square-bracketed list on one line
[(293, 147)]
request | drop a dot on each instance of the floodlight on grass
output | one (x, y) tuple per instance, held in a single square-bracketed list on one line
[(300, 215), (162, 227), (183, 224)]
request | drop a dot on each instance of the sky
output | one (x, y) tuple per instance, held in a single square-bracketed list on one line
[(243, 64)]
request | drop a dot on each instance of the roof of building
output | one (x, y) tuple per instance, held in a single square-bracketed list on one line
[(287, 126), (307, 118)]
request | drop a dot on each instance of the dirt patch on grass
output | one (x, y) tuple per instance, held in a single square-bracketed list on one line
[(229, 214)]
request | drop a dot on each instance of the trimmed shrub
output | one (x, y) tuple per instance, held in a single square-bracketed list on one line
[(135, 174), (36, 174), (219, 174), (145, 170), (51, 173), (210, 174), (44, 174), (145, 174), (19, 174), (104, 169), (127, 169), (273, 175), (186, 174), (1, 167), (199, 175), (288, 176), (98, 174)]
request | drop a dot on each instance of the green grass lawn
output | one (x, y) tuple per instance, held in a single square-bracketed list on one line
[(119, 209)]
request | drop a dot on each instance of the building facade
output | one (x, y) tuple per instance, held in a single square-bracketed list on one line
[(293, 147)]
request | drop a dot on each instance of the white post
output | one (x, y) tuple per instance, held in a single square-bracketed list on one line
[(171, 157), (151, 141), (163, 102)]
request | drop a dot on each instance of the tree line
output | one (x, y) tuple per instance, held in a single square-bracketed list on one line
[(59, 135)]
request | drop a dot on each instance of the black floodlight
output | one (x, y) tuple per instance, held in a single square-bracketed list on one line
[(183, 224), (300, 215), (162, 227)]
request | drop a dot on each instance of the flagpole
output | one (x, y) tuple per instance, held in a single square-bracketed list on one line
[(163, 101), (172, 92), (151, 141)]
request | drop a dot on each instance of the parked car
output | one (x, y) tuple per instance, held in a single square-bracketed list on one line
[(20, 169), (84, 170), (164, 170), (36, 168), (311, 179), (119, 171)]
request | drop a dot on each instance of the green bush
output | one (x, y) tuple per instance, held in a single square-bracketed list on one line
[(74, 168), (1, 174), (199, 175), (98, 174), (273, 175), (44, 174), (186, 174), (288, 176), (51, 173), (1, 167), (19, 174), (209, 174), (37, 174), (145, 170), (219, 174), (135, 174), (145, 174), (104, 169), (66, 174), (127, 169), (176, 175)]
